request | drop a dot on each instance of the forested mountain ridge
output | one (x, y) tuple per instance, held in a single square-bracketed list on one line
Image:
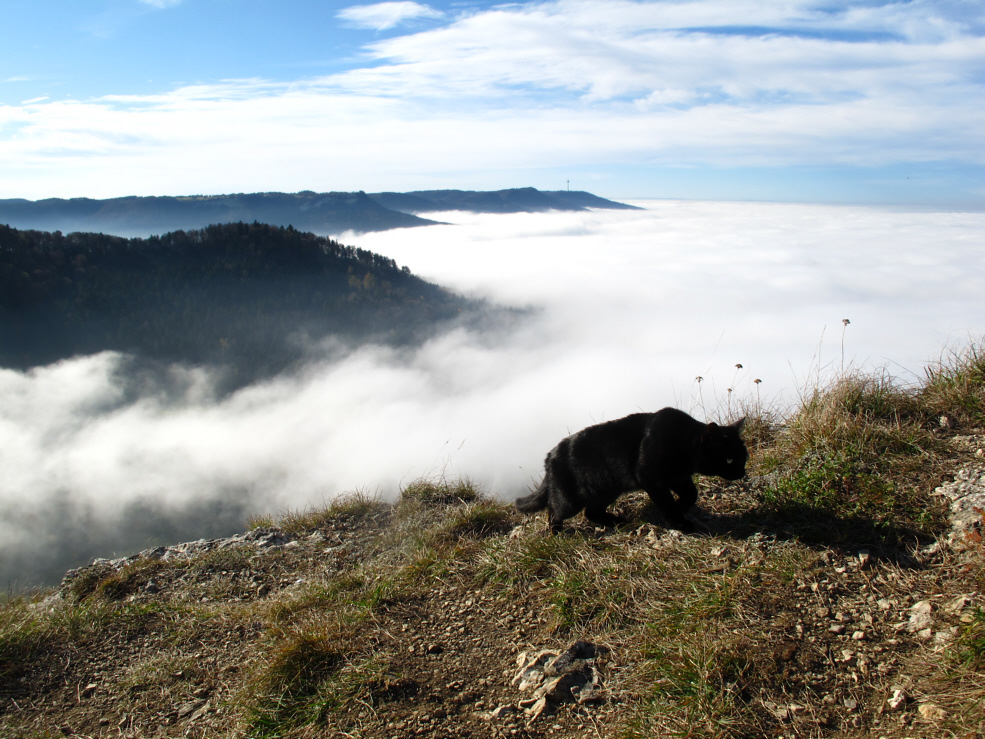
[(514, 200), (328, 213), (323, 213), (252, 297)]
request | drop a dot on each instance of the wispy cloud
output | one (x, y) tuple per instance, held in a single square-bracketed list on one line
[(567, 84), (384, 16), (615, 50)]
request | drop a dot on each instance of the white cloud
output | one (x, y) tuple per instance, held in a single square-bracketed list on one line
[(634, 306), (383, 16), (614, 49), (315, 137), (574, 83)]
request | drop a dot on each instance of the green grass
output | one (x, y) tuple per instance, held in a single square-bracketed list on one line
[(690, 670), (971, 642), (866, 419), (289, 688), (129, 580), (29, 635), (479, 519), (346, 600), (849, 462), (23, 633), (954, 386), (312, 667), (351, 509), (442, 491), (693, 687), (527, 558)]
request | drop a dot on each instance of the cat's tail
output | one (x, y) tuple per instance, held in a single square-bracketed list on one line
[(536, 501)]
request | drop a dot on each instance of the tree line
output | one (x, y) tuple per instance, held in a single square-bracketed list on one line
[(249, 296)]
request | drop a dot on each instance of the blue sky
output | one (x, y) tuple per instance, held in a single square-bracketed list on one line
[(864, 102)]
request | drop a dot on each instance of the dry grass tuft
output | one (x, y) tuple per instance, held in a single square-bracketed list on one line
[(351, 509), (955, 386), (441, 492), (855, 458)]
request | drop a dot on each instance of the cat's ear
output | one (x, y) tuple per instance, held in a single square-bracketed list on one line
[(739, 424)]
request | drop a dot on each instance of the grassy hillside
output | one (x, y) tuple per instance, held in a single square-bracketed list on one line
[(828, 596)]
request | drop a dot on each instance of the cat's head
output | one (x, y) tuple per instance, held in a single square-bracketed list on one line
[(723, 453)]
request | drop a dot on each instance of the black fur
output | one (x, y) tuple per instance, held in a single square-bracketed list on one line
[(656, 452)]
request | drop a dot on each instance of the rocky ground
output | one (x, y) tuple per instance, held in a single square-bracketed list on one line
[(637, 631)]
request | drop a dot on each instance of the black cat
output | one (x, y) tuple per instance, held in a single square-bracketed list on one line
[(656, 452)]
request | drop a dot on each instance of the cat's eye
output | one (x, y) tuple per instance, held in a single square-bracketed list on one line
[(728, 461)]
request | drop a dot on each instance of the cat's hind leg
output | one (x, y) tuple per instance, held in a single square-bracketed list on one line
[(564, 497), (561, 506), (558, 512)]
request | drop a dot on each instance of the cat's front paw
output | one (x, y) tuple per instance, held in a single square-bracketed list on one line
[(683, 525), (604, 519)]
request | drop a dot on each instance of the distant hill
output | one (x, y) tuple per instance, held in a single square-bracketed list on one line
[(252, 298), (322, 213), (516, 200), (326, 214)]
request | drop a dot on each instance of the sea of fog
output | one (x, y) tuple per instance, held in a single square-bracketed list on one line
[(628, 309)]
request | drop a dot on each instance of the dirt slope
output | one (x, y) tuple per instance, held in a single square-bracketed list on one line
[(380, 621)]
